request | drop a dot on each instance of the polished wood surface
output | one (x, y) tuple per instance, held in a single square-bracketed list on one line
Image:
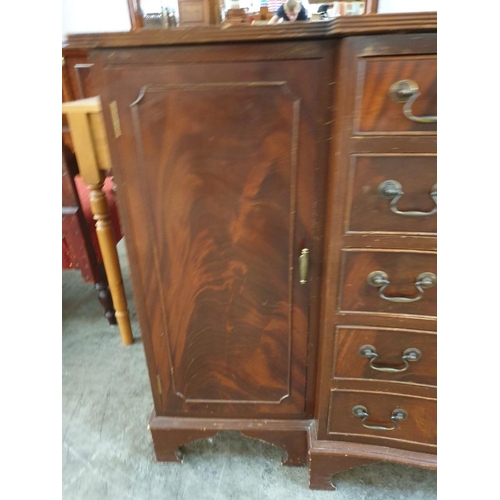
[(232, 158), (220, 168), (390, 346), (418, 428), (377, 112), (402, 269), (368, 212), (372, 139)]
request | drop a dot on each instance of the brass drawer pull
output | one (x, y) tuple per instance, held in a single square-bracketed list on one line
[(303, 265), (411, 354), (397, 416), (392, 190), (379, 279), (406, 91)]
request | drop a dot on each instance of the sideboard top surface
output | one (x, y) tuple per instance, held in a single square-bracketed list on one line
[(336, 28)]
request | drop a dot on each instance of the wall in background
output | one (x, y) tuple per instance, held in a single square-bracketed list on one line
[(390, 6), (94, 16)]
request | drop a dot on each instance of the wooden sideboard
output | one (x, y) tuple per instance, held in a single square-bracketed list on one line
[(277, 188)]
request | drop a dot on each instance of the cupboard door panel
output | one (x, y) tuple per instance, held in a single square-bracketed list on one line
[(220, 214)]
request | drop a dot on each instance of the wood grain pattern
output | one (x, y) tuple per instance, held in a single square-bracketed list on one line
[(377, 113), (216, 172), (374, 139), (419, 428), (390, 345), (402, 269), (227, 300), (367, 212), (220, 168)]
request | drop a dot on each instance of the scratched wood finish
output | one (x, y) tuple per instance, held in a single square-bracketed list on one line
[(390, 346), (402, 269), (368, 212), (377, 112), (418, 429), (220, 199)]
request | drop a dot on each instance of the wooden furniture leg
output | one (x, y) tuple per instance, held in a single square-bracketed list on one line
[(104, 296), (325, 459), (171, 433), (323, 467), (107, 243), (89, 140)]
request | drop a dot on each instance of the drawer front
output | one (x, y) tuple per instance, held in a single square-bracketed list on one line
[(393, 194), (392, 355), (401, 275), (379, 417), (378, 110)]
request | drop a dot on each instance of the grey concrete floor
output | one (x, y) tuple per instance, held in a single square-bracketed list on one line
[(107, 451)]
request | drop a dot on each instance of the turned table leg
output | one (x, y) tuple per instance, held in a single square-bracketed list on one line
[(104, 296), (107, 244)]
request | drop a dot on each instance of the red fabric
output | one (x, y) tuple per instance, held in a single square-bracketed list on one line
[(67, 263), (83, 194)]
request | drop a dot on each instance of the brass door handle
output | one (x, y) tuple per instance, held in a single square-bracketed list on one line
[(392, 190), (303, 265), (397, 416), (379, 279), (406, 91), (411, 354)]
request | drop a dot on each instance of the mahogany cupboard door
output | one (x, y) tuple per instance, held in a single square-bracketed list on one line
[(217, 177)]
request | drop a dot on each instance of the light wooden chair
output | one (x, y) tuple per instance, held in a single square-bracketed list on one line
[(88, 135)]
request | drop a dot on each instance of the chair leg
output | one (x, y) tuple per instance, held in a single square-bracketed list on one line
[(104, 296), (107, 244)]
